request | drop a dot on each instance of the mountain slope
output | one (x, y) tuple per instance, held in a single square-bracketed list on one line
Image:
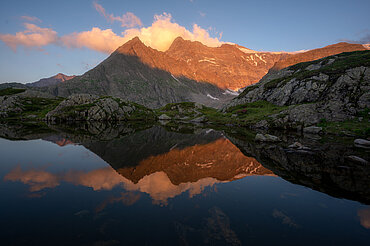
[(56, 79), (315, 54), (334, 88), (138, 73)]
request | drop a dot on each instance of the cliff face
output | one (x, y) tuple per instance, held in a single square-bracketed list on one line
[(335, 88)]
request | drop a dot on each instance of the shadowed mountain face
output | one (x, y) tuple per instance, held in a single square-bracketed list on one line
[(56, 79), (137, 73)]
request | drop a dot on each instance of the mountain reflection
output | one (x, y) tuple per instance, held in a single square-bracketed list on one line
[(163, 176), (165, 163)]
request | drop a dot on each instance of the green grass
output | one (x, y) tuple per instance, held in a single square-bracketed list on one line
[(11, 91), (183, 109), (34, 108), (354, 126), (248, 89)]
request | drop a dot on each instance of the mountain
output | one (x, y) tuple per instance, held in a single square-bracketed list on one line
[(315, 54), (331, 89), (187, 71), (228, 66), (141, 74), (56, 79)]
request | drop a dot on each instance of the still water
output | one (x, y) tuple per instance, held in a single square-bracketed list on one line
[(155, 186)]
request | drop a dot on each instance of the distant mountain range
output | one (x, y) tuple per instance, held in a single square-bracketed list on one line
[(187, 71), (56, 79)]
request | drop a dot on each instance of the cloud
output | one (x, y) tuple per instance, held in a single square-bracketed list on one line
[(30, 18), (127, 20), (163, 31), (33, 36), (96, 39), (159, 35), (286, 220), (36, 179), (365, 39)]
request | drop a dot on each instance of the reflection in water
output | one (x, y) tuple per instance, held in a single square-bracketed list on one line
[(163, 176), (114, 204), (364, 215)]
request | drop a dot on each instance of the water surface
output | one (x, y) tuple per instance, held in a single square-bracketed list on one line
[(154, 186)]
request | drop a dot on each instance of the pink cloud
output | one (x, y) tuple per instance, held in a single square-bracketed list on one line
[(127, 20), (33, 36), (30, 18), (159, 35)]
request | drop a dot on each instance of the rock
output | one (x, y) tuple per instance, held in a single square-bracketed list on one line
[(198, 105), (200, 119), (357, 159), (85, 107), (262, 124), (266, 138), (313, 96), (312, 130), (362, 143), (313, 67), (9, 104), (297, 145), (164, 117)]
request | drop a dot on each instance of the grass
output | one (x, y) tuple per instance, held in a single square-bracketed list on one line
[(354, 127), (248, 89), (184, 109), (11, 91)]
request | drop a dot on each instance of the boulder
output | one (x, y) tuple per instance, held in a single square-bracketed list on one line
[(200, 119), (266, 138), (312, 130), (362, 143), (164, 117)]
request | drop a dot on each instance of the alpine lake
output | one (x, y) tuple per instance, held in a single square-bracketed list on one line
[(138, 184)]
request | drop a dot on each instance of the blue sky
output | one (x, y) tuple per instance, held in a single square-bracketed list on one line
[(69, 44)]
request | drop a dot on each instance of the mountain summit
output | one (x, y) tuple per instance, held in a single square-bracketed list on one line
[(143, 75)]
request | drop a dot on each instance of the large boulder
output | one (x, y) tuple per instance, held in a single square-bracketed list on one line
[(86, 107)]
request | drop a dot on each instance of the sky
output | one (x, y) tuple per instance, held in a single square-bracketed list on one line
[(41, 38)]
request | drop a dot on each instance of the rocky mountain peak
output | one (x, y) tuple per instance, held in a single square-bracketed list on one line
[(132, 47)]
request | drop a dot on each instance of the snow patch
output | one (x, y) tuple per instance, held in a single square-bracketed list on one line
[(231, 92), (261, 58), (206, 59), (214, 98), (175, 78)]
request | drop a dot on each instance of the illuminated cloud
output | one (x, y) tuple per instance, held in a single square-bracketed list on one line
[(36, 179), (163, 32), (30, 18), (127, 20), (105, 41), (33, 36), (159, 35)]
